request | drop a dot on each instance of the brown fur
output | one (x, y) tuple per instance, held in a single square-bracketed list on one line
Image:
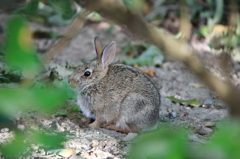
[(116, 94)]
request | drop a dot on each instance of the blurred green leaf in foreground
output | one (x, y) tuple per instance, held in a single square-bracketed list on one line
[(20, 55), (224, 144), (23, 142), (169, 143), (163, 143)]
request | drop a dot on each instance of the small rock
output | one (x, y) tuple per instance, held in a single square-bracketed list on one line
[(46, 123), (84, 120), (166, 101), (86, 148), (4, 130), (208, 101), (21, 127), (169, 109), (115, 152), (204, 131), (209, 124), (163, 113), (34, 147), (220, 104), (59, 128), (172, 115), (129, 137)]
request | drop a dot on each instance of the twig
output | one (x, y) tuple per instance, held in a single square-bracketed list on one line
[(76, 25), (185, 25)]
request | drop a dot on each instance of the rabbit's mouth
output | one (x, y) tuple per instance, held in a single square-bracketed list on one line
[(84, 87)]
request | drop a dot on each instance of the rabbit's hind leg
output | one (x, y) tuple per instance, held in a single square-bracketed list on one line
[(118, 129), (112, 126)]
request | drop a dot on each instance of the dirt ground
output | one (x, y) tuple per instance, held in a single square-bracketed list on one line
[(172, 78)]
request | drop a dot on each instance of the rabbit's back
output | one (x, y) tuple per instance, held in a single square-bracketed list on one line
[(125, 79), (128, 98)]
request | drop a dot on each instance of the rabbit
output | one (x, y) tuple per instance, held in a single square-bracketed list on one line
[(118, 95)]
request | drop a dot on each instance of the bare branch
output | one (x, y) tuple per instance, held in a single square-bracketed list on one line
[(185, 25), (76, 25)]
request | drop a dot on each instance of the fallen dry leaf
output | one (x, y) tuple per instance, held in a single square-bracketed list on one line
[(183, 114), (197, 85), (136, 65), (219, 29), (149, 72)]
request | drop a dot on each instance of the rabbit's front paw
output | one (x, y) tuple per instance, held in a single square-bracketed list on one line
[(97, 123)]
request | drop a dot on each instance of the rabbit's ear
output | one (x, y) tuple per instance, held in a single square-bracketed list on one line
[(98, 47), (108, 54)]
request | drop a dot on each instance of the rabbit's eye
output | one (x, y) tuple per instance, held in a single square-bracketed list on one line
[(87, 73)]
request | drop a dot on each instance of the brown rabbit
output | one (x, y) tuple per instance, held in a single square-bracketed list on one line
[(119, 95)]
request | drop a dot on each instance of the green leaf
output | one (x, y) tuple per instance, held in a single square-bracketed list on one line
[(230, 41), (61, 114), (50, 141), (129, 48), (42, 99), (94, 17), (22, 142), (2, 50), (48, 98), (18, 146), (203, 30), (162, 143), (224, 144), (4, 79), (151, 56), (75, 108), (19, 50), (64, 85), (192, 102), (31, 7), (55, 152), (134, 5), (63, 7)]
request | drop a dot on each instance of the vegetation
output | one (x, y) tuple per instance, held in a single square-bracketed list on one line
[(22, 90)]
